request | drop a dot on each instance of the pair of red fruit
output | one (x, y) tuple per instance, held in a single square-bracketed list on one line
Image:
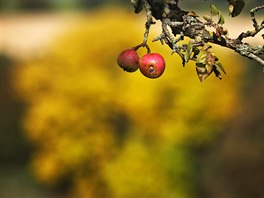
[(151, 65)]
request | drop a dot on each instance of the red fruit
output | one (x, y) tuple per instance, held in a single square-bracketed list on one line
[(128, 60), (152, 65)]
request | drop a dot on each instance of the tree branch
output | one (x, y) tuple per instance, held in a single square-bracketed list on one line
[(178, 24), (258, 27)]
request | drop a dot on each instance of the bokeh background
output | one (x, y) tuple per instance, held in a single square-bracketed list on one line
[(73, 124)]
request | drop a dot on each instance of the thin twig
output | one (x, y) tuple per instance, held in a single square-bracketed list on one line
[(257, 27)]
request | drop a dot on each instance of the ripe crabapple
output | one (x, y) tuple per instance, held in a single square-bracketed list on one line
[(152, 65), (128, 60)]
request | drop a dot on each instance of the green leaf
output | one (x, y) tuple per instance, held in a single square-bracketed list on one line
[(209, 68), (189, 46), (187, 56), (201, 59), (188, 53), (220, 66), (214, 10), (221, 20)]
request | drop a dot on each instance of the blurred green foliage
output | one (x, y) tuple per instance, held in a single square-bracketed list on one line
[(109, 133), (55, 4), (12, 146), (86, 4)]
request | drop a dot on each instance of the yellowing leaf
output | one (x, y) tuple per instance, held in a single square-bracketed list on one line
[(207, 17), (214, 10)]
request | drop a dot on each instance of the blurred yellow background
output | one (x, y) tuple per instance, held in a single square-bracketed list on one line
[(88, 129)]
